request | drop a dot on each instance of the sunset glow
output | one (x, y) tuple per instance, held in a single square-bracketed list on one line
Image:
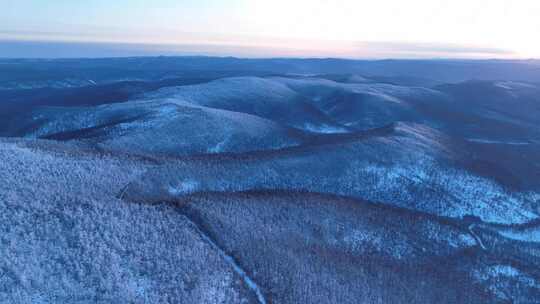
[(260, 28)]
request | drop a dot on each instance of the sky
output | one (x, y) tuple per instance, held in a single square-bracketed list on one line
[(272, 28)]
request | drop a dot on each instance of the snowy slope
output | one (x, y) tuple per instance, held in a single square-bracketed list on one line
[(223, 180), (335, 250), (76, 240), (157, 127), (68, 238), (410, 166), (257, 96)]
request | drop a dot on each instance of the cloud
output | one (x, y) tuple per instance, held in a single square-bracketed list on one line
[(423, 50)]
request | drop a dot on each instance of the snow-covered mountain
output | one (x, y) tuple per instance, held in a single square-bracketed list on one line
[(223, 180)]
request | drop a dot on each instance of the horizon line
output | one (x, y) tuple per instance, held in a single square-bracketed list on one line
[(111, 49)]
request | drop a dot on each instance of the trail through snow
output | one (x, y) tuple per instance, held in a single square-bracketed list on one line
[(231, 261)]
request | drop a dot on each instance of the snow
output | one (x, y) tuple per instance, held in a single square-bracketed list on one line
[(245, 277), (67, 238), (511, 85), (498, 142), (262, 97), (502, 281), (525, 235), (184, 187), (172, 129), (323, 129), (276, 189), (377, 169)]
